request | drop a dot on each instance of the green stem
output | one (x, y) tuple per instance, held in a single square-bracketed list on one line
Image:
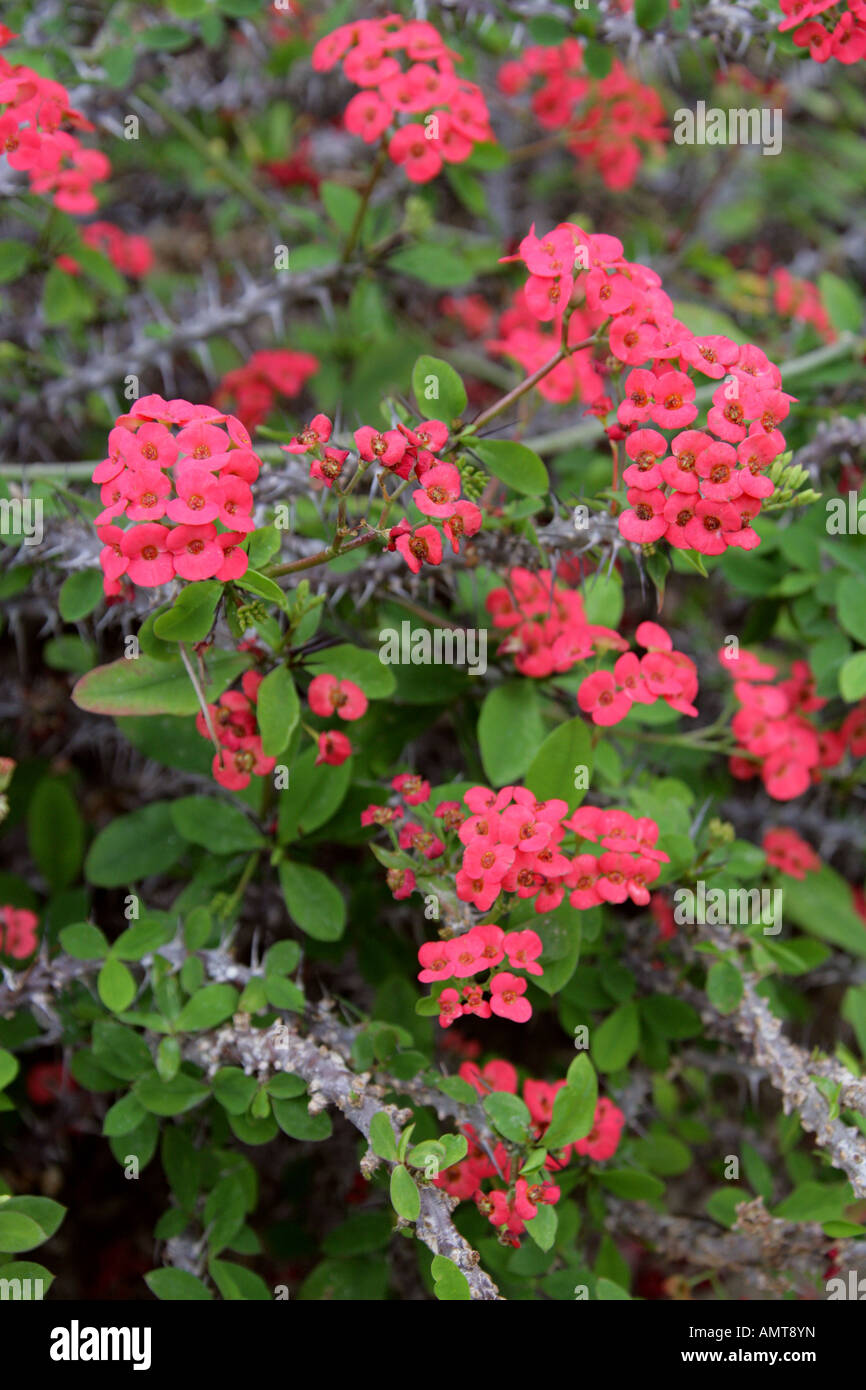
[(248, 871), (522, 387), (321, 557), (355, 229)]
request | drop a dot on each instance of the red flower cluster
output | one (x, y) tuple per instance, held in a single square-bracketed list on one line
[(819, 26), (662, 674), (787, 749), (18, 932), (548, 629), (606, 122), (478, 951), (627, 865), (787, 851), (267, 375), (329, 696), (236, 728), (407, 453), (32, 110), (802, 301), (455, 115), (514, 1201), (131, 255), (715, 474), (197, 479)]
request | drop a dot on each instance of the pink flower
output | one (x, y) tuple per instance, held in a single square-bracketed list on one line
[(486, 860), (199, 496), (674, 401), (465, 520), (598, 695), (440, 491), (18, 932), (523, 949), (334, 748), (646, 521), (235, 562), (196, 551), (410, 147), (367, 115), (424, 546), (328, 695), (318, 431), (506, 1000), (602, 1141), (146, 548), (386, 447), (413, 789), (449, 1007), (436, 960)]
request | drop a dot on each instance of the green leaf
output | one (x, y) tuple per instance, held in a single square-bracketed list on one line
[(133, 846), (542, 1227), (314, 903), (234, 1089), (9, 1068), (615, 1042), (649, 13), (509, 1115), (120, 1050), (286, 1086), (125, 1115), (115, 985), (278, 710), (510, 731), (207, 1008), (360, 1234), (450, 1284), (821, 904), (42, 1210), (433, 264), (842, 301), (18, 1232), (28, 1269), (14, 259), (341, 204), (295, 1120), (554, 769), (671, 1017), (264, 587), (382, 1139), (197, 928), (405, 1197), (598, 59), (852, 677), (284, 994), (170, 1097), (724, 986), (142, 939), (55, 832), (438, 389), (215, 824), (574, 1106), (84, 941), (145, 686), (191, 616), (80, 593), (513, 464), (64, 300), (607, 1291), (282, 958), (815, 1201), (631, 1183), (313, 796), (176, 1285), (356, 664), (235, 1282), (851, 606)]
